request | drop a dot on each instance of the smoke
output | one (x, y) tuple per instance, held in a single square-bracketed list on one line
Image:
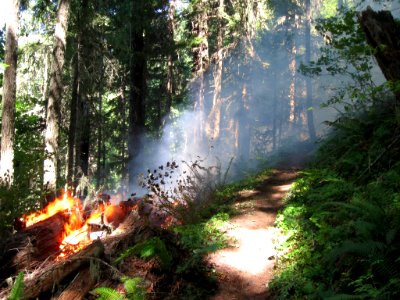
[(263, 111)]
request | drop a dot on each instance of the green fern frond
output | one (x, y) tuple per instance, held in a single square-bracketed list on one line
[(345, 297), (363, 249), (148, 249), (128, 252), (134, 288), (106, 293), (17, 290)]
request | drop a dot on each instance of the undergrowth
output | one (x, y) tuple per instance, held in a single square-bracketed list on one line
[(342, 217), (182, 260)]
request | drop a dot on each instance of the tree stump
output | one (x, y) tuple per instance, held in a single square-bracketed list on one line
[(383, 35)]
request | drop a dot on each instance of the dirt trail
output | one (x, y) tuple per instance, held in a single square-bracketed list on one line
[(245, 270)]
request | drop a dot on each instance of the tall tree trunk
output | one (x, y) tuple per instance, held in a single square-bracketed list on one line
[(214, 119), (137, 96), (99, 170), (9, 95), (292, 86), (55, 97), (383, 35), (309, 99), (275, 114), (123, 108), (244, 136), (170, 59), (87, 53), (100, 133), (73, 118), (201, 62), (84, 143)]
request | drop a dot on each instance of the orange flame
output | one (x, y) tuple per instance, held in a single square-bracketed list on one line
[(76, 230), (63, 203)]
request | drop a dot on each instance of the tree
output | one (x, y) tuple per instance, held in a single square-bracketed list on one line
[(137, 88), (214, 118), (201, 62), (55, 97), (170, 58), (9, 94), (310, 114), (382, 34)]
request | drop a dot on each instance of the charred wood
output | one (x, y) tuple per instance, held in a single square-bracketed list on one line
[(27, 248), (44, 279), (383, 35)]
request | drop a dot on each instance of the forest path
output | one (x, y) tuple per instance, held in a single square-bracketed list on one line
[(245, 269)]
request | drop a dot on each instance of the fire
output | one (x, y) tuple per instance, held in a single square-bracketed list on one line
[(65, 202), (77, 233)]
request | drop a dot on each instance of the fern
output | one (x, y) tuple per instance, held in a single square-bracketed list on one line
[(345, 297), (17, 290), (154, 247), (134, 288), (106, 293), (363, 249)]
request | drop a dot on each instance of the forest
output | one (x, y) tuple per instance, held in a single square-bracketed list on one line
[(132, 131)]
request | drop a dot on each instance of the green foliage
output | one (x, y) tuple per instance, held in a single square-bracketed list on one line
[(341, 219), (201, 239), (133, 287), (154, 247), (17, 291), (229, 192), (108, 294), (347, 56)]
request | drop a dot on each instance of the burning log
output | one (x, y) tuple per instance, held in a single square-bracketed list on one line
[(44, 279), (31, 245)]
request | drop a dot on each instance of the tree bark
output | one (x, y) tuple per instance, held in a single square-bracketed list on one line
[(79, 287), (137, 93), (201, 62), (214, 119), (170, 59), (383, 35), (100, 144), (73, 118), (292, 86), (84, 144), (44, 279), (9, 95), (244, 136), (32, 245), (84, 117), (55, 97), (275, 115), (309, 99)]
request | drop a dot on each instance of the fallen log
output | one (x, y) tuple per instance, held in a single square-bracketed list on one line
[(32, 245), (42, 280), (79, 287)]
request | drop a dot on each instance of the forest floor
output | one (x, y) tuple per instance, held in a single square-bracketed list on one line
[(245, 269)]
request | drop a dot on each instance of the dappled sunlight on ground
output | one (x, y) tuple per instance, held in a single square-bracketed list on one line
[(245, 269), (251, 252), (248, 193), (284, 188)]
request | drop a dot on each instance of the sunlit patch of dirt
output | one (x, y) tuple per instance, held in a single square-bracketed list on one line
[(245, 269), (248, 193)]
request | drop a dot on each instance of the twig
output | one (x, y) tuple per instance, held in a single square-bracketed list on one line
[(114, 269)]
